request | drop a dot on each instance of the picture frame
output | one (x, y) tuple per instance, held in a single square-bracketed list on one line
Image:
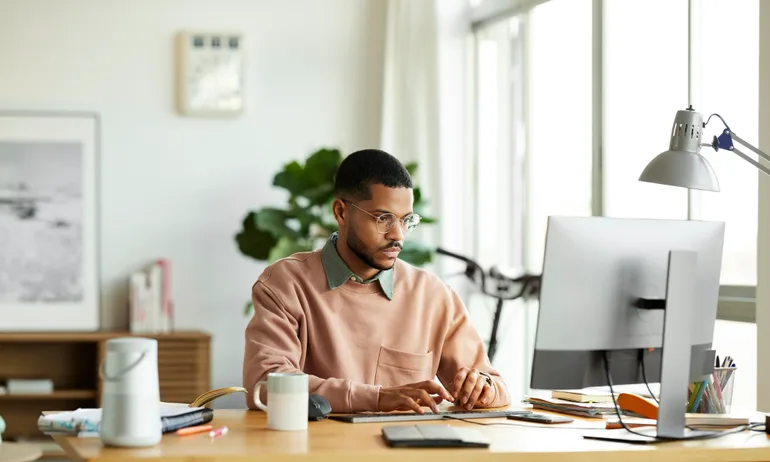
[(49, 222)]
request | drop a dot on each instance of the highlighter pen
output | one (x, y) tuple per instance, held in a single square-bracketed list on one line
[(218, 432), (193, 430)]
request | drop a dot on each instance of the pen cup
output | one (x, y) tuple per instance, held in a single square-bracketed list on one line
[(713, 395)]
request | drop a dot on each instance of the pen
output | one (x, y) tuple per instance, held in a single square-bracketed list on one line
[(193, 430), (218, 432)]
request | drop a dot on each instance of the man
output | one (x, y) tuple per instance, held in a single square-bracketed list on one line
[(371, 331)]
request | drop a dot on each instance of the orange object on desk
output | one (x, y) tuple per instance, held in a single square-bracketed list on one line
[(638, 405), (193, 430)]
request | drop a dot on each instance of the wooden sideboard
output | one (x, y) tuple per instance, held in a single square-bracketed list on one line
[(72, 359)]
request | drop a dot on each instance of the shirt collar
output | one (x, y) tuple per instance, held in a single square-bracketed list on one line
[(338, 273)]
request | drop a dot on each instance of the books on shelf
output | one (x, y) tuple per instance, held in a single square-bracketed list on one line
[(29, 386), (150, 300)]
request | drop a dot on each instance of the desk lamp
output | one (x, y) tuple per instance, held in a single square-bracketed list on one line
[(683, 165)]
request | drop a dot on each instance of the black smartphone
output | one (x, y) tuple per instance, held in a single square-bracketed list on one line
[(541, 418)]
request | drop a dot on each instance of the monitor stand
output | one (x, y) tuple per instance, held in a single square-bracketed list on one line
[(675, 358)]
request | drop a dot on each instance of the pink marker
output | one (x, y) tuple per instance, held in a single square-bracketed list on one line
[(218, 432)]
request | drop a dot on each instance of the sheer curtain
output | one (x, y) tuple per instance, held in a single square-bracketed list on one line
[(423, 117), (410, 122)]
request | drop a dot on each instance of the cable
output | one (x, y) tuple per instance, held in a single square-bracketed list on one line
[(657, 437), (720, 118), (615, 402), (644, 376)]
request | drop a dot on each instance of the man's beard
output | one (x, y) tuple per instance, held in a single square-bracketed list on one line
[(358, 248)]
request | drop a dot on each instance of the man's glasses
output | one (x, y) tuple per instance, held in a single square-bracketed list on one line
[(387, 221)]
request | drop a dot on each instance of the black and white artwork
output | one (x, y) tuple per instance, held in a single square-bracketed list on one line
[(48, 222), (41, 222)]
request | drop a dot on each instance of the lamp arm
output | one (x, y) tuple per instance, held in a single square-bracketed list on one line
[(749, 159), (752, 148), (752, 161), (725, 141)]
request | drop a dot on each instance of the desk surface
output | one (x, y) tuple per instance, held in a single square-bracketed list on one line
[(328, 440), (18, 452)]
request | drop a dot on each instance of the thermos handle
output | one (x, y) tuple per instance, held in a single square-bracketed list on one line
[(103, 374)]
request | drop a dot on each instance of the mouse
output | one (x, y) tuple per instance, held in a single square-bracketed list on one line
[(318, 408)]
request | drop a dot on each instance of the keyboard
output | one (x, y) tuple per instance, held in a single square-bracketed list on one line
[(370, 417)]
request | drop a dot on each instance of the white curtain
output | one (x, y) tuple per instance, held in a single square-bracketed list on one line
[(410, 118)]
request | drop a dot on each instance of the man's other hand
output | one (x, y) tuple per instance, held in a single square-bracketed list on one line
[(413, 396), (470, 388)]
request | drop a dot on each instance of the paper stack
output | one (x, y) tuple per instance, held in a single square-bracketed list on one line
[(150, 302)]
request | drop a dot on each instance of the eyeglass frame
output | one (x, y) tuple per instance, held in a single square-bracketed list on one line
[(400, 220)]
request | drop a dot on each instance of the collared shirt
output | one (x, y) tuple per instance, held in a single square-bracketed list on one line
[(338, 272)]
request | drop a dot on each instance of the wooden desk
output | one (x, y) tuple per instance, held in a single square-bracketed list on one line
[(18, 452), (249, 439)]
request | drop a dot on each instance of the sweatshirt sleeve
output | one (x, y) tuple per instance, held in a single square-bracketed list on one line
[(463, 347), (273, 345)]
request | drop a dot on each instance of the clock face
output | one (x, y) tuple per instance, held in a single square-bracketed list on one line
[(212, 79)]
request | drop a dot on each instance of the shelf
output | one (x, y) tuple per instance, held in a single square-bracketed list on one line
[(61, 394)]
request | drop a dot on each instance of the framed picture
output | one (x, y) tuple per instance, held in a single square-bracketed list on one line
[(49, 273)]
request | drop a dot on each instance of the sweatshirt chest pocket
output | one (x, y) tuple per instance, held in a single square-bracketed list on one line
[(396, 368)]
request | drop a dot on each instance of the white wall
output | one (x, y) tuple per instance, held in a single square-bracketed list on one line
[(178, 187), (763, 231)]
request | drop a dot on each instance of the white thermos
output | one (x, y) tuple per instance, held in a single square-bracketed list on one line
[(130, 393)]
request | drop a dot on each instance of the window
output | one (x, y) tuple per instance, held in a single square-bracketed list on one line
[(645, 83), (538, 153), (499, 185), (558, 118), (729, 28)]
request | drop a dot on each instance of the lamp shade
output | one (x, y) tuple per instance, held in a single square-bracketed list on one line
[(683, 165)]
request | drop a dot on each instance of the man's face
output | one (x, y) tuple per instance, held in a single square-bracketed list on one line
[(365, 232)]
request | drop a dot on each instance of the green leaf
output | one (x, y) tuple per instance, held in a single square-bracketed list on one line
[(253, 241), (320, 194), (417, 192), (427, 220), (287, 246), (416, 253), (321, 167), (292, 178), (247, 308), (274, 221), (411, 167)]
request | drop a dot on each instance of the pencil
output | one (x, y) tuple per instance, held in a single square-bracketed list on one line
[(193, 430)]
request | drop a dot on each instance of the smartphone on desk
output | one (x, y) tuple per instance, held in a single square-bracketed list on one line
[(541, 418)]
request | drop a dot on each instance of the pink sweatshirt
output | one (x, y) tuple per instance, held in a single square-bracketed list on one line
[(353, 340)]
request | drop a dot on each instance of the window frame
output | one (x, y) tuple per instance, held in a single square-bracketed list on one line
[(736, 303)]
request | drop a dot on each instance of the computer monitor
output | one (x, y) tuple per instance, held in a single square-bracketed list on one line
[(609, 285)]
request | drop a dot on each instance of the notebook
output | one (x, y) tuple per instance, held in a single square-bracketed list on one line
[(582, 396), (433, 436)]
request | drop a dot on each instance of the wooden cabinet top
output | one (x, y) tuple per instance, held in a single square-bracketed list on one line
[(96, 336)]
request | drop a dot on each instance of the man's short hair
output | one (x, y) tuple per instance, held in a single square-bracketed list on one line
[(361, 169)]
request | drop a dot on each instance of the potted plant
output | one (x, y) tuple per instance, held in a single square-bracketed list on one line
[(306, 222)]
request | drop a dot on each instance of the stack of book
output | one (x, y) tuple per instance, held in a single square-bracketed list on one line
[(150, 302)]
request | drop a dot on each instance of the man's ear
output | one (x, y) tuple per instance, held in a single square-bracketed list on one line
[(340, 211)]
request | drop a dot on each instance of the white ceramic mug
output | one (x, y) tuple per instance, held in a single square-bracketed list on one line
[(287, 400)]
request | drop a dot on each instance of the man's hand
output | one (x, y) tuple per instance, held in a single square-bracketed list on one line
[(470, 389), (413, 396)]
